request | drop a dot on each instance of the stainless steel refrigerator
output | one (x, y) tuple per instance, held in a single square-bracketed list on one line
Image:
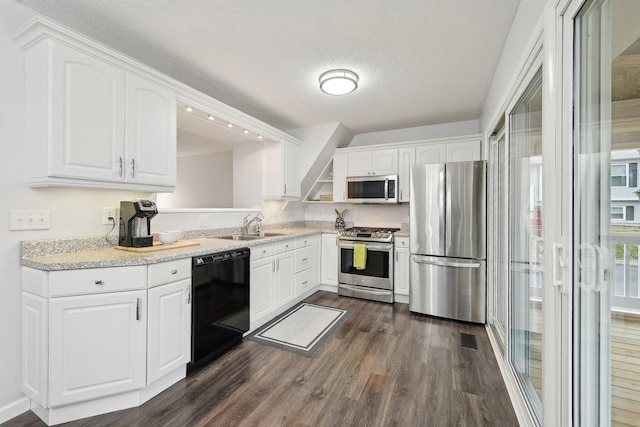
[(448, 240)]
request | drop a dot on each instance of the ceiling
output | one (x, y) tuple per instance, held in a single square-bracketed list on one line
[(420, 62)]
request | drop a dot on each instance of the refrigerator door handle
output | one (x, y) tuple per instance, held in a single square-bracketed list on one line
[(420, 260), (442, 204)]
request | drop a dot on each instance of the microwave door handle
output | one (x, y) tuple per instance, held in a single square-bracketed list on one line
[(386, 188)]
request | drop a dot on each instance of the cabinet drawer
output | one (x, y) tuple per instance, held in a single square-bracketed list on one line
[(167, 272), (97, 280), (285, 246), (402, 242), (262, 251), (303, 281), (304, 258), (304, 242)]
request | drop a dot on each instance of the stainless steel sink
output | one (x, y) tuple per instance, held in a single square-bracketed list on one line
[(238, 237), (248, 236)]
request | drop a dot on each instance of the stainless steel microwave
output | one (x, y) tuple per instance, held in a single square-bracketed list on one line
[(372, 189)]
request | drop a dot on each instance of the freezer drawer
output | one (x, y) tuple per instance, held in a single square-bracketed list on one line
[(453, 288)]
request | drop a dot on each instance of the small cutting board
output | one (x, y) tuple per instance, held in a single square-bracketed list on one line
[(157, 246)]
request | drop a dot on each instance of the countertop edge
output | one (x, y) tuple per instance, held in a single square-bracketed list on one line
[(105, 258)]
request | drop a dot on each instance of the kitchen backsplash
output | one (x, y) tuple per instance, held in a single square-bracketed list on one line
[(361, 215)]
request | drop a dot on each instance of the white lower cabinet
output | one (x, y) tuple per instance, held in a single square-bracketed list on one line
[(281, 273), (169, 328), (401, 267), (98, 338), (261, 301), (284, 278), (329, 259), (271, 279), (97, 345)]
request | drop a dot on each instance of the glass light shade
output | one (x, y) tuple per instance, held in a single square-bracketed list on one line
[(338, 82)]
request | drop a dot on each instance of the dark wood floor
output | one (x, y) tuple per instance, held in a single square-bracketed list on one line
[(383, 367)]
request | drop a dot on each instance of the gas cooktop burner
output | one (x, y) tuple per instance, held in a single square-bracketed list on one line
[(371, 234)]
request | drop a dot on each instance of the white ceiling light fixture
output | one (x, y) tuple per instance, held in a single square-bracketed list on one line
[(338, 82), (188, 108), (211, 117)]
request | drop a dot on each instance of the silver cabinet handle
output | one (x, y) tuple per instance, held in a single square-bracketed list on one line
[(305, 282), (174, 271), (285, 188), (138, 302), (99, 282), (188, 295), (401, 194), (133, 168), (121, 165), (304, 259)]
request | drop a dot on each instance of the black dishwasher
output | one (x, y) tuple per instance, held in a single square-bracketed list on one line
[(220, 307)]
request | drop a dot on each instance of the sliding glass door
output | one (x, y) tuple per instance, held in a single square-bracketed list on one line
[(526, 242), (606, 212)]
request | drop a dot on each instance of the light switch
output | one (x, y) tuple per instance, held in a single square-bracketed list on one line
[(29, 220)]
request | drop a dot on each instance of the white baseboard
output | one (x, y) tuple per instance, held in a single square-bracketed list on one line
[(329, 288), (403, 299), (517, 399), (14, 409)]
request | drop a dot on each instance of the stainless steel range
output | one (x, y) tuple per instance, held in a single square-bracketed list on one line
[(373, 278)]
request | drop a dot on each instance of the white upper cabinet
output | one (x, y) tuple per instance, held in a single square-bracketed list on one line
[(281, 161), (340, 177), (150, 133), (372, 162), (94, 124), (463, 151), (406, 159), (431, 153), (79, 106)]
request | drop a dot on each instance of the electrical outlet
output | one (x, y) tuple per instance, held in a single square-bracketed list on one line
[(109, 213), (29, 220)]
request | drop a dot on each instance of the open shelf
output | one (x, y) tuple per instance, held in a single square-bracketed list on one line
[(323, 187)]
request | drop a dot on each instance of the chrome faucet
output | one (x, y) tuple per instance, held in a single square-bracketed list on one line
[(247, 222)]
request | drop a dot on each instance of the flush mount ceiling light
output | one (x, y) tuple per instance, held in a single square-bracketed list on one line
[(211, 117), (338, 82), (189, 109)]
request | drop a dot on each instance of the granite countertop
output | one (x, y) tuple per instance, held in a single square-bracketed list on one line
[(111, 257)]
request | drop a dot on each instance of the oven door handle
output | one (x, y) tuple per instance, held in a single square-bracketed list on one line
[(386, 248)]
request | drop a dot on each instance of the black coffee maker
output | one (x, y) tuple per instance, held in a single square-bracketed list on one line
[(135, 223)]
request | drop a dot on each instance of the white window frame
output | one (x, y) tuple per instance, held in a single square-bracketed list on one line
[(626, 175)]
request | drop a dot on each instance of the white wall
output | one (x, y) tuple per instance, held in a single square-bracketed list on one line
[(514, 52), (247, 175), (203, 181), (418, 133), (361, 215)]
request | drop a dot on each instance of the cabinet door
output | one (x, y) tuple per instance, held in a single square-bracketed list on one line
[(316, 243), (384, 162), (284, 278), (463, 151), (151, 133), (401, 271), (97, 345), (329, 259), (169, 328), (290, 170), (431, 153), (359, 163), (35, 332), (261, 296), (340, 177), (407, 158), (87, 116)]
